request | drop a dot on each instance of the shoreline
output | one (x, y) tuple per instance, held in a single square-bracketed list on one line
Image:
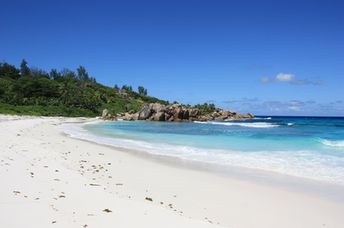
[(276, 179), (197, 198)]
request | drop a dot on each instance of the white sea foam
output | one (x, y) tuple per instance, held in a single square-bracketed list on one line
[(333, 143), (262, 118), (253, 125), (305, 164)]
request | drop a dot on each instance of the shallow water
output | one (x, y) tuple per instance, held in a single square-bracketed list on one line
[(305, 147)]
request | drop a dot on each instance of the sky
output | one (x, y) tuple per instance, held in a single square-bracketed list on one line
[(265, 57)]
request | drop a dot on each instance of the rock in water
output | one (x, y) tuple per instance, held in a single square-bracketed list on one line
[(177, 112)]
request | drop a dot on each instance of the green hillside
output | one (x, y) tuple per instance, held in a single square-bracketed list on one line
[(32, 91)]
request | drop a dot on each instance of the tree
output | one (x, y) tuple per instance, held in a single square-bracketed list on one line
[(142, 91), (127, 88), (7, 70), (54, 75), (82, 74), (38, 73), (24, 69), (68, 74), (206, 108), (29, 87)]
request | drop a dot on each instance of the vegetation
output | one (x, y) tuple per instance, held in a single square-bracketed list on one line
[(33, 91), (142, 91), (206, 108)]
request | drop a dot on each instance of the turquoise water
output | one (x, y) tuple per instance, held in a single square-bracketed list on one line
[(305, 147)]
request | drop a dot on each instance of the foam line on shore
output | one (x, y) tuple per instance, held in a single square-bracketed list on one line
[(293, 163)]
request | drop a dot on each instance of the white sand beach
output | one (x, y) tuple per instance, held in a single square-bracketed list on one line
[(51, 180)]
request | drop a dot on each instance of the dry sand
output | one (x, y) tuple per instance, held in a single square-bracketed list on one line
[(49, 179)]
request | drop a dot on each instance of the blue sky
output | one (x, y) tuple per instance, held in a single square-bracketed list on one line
[(266, 57)]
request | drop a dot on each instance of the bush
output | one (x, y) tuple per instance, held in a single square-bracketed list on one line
[(32, 91)]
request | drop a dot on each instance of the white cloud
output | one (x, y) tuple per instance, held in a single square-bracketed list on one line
[(294, 108), (288, 78), (291, 107), (283, 77), (265, 79)]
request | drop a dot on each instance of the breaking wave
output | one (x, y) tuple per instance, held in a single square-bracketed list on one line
[(333, 143), (253, 125)]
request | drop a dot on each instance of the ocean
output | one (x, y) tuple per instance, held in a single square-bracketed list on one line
[(306, 147)]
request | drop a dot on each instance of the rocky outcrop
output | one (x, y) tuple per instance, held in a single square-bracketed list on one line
[(105, 113), (178, 112), (107, 116)]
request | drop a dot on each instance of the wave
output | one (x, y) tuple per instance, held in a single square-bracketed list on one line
[(262, 118), (298, 163), (255, 118), (333, 143), (253, 125)]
